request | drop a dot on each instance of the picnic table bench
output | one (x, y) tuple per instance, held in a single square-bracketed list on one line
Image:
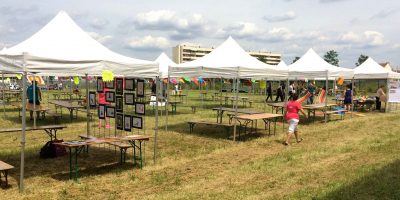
[(76, 147), (340, 112), (221, 110), (51, 130), (4, 167), (123, 147), (30, 107), (268, 119), (68, 105), (173, 106), (227, 127)]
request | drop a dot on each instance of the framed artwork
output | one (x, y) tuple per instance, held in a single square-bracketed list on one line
[(140, 88), (140, 108), (110, 84), (100, 84), (119, 104), (110, 96), (120, 121), (129, 99), (119, 86), (110, 111), (130, 84), (92, 99), (137, 122), (102, 111), (127, 123)]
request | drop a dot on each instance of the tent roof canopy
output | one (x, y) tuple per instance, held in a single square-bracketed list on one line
[(62, 47), (311, 65), (227, 60), (164, 61), (370, 69)]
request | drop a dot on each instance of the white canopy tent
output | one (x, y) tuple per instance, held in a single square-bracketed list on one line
[(228, 60), (370, 69), (164, 61), (311, 65), (62, 48)]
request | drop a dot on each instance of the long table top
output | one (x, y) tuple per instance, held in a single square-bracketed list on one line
[(5, 130), (31, 107), (66, 104), (259, 116), (318, 106), (234, 110), (75, 144)]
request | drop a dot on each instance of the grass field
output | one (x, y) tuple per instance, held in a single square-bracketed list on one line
[(355, 158)]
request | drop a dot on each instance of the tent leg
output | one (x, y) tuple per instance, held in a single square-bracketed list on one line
[(236, 108), (87, 107), (156, 124), (21, 177)]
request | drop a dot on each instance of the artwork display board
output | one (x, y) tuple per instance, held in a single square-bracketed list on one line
[(120, 121), (140, 88), (101, 111), (130, 84), (110, 96), (100, 85), (137, 122), (110, 84), (119, 86), (140, 108), (129, 99), (92, 99), (127, 123), (110, 111)]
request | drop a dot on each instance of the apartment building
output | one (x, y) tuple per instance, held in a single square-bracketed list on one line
[(187, 52)]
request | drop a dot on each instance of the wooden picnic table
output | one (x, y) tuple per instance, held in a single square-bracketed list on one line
[(233, 98), (181, 96), (51, 130), (312, 108), (268, 119), (70, 105), (30, 107), (173, 105), (76, 147), (277, 106), (221, 110)]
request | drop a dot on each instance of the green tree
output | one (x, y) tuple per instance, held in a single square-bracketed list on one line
[(295, 59), (332, 57), (361, 59), (262, 59)]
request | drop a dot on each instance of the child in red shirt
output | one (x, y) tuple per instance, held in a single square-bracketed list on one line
[(292, 109)]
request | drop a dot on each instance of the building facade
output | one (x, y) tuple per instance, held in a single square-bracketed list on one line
[(187, 52)]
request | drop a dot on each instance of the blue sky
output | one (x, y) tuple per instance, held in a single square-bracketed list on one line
[(144, 29)]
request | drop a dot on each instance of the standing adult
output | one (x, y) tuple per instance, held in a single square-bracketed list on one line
[(311, 90), (280, 92), (36, 100), (380, 96), (291, 90), (292, 116), (269, 91), (348, 97)]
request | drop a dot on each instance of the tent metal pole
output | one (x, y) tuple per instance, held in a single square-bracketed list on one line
[(166, 105), (34, 100), (287, 91), (3, 90), (220, 94), (22, 166), (352, 96), (70, 88), (236, 107), (87, 106), (326, 96), (387, 96), (156, 124)]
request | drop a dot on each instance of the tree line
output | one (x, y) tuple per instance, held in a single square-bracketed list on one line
[(332, 57)]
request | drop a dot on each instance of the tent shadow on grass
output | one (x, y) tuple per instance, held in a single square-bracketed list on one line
[(211, 131), (383, 184)]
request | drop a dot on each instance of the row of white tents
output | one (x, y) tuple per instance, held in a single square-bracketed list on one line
[(62, 48)]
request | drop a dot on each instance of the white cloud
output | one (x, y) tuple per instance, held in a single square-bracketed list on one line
[(98, 23), (367, 38), (396, 46), (290, 15), (100, 38), (179, 27), (6, 29), (149, 43), (241, 30)]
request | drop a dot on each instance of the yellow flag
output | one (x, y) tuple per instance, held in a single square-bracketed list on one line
[(263, 84)]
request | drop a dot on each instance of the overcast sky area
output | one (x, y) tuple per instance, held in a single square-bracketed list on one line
[(144, 29)]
